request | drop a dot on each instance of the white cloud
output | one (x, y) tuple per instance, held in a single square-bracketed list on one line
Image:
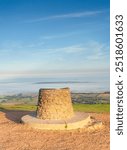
[(92, 50), (82, 56), (19, 47), (65, 16), (64, 35), (50, 73), (68, 49), (99, 51), (50, 37)]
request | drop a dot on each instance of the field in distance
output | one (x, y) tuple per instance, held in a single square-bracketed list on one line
[(80, 98), (96, 108), (86, 102)]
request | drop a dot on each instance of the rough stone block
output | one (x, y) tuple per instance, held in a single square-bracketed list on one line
[(54, 104)]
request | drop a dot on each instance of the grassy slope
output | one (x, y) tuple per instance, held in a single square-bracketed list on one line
[(77, 107), (98, 108)]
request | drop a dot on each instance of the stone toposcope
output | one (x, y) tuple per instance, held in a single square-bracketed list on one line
[(54, 104), (55, 112)]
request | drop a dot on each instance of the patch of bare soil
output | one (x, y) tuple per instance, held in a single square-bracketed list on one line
[(16, 136)]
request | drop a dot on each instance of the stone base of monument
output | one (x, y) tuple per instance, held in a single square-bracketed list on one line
[(55, 112), (79, 120)]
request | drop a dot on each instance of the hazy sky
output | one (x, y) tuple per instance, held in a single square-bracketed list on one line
[(39, 36)]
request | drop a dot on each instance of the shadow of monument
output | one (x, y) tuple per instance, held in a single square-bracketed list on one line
[(15, 115)]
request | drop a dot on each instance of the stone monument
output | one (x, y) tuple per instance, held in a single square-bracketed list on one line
[(54, 104), (55, 112)]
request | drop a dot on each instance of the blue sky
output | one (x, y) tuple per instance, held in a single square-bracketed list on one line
[(49, 36)]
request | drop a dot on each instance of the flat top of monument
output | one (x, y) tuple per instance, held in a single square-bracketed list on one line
[(66, 88)]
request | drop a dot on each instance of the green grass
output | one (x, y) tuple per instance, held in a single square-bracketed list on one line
[(97, 108), (18, 107)]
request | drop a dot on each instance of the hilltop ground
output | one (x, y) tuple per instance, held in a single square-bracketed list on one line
[(16, 136)]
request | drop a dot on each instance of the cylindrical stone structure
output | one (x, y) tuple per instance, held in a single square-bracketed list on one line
[(54, 104)]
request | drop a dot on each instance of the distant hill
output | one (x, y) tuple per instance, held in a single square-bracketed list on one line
[(32, 98)]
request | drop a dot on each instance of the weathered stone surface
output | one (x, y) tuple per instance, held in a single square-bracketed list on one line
[(54, 104), (79, 120)]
